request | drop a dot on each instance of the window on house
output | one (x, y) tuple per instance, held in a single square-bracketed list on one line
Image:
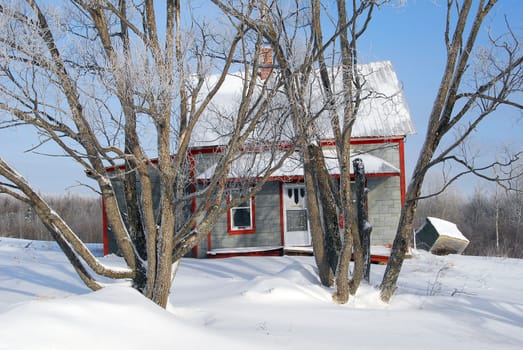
[(241, 218)]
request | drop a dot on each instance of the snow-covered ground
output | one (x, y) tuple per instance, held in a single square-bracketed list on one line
[(452, 302)]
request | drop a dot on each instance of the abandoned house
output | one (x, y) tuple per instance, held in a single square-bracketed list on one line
[(275, 219)]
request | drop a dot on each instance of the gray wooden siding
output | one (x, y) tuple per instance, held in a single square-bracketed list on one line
[(267, 218), (384, 208), (384, 199)]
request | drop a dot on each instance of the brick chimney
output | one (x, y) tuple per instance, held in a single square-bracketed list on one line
[(265, 62)]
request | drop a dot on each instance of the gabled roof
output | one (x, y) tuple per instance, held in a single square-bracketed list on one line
[(383, 111)]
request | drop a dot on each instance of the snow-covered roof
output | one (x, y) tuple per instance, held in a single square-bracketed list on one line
[(383, 111), (446, 228), (253, 164), (217, 121)]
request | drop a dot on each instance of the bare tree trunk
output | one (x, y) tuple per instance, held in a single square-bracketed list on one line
[(364, 226), (351, 248), (325, 273), (341, 295), (80, 269), (328, 206), (324, 204), (441, 120), (59, 228), (90, 104), (403, 235)]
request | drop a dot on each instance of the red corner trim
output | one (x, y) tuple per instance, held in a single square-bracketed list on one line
[(402, 171)]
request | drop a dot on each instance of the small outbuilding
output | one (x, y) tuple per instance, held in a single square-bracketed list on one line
[(440, 237)]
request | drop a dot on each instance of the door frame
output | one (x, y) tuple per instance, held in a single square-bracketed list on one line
[(284, 188)]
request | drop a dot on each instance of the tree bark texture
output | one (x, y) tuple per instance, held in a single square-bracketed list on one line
[(328, 206), (364, 227), (141, 69), (326, 274)]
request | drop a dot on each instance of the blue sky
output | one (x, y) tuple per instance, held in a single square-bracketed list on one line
[(410, 36)]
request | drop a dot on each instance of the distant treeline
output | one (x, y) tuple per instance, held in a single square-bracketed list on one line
[(492, 222), (83, 214), (483, 218)]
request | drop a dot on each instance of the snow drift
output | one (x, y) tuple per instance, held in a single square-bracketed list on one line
[(451, 302)]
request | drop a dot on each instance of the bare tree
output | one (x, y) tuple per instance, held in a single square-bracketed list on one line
[(364, 227), (287, 32), (352, 26), (115, 82), (460, 104), (318, 62)]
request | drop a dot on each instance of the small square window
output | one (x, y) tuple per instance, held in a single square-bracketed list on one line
[(241, 218)]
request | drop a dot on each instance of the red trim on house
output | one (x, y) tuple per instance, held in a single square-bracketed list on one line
[(379, 140), (352, 176), (283, 145), (114, 168), (403, 186), (376, 258), (269, 252), (279, 251), (381, 175), (195, 251), (251, 230), (105, 228), (299, 178), (364, 141), (206, 150), (379, 259)]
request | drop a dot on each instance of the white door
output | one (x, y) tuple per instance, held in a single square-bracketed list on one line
[(295, 218)]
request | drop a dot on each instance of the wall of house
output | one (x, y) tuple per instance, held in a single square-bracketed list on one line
[(120, 197), (384, 208), (384, 199), (267, 219)]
